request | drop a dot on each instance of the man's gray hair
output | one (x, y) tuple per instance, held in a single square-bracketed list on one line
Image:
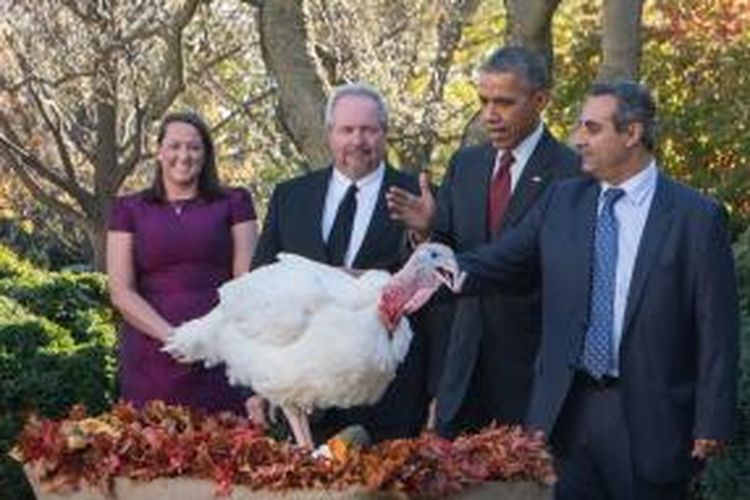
[(357, 90), (522, 62), (634, 105)]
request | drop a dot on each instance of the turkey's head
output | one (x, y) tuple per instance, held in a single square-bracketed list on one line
[(430, 266)]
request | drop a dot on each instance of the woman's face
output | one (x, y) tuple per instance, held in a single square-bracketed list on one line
[(181, 155)]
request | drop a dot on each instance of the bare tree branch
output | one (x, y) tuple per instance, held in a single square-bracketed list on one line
[(91, 16), (220, 58), (33, 78), (37, 191), (243, 107), (450, 30), (161, 97), (54, 129), (76, 133), (26, 159), (131, 158)]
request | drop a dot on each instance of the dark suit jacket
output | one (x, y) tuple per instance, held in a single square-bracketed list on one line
[(293, 224), (494, 338), (679, 350)]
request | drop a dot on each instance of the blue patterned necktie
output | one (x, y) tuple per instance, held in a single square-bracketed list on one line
[(597, 349)]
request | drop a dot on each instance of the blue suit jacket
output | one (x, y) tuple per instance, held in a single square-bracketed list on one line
[(679, 350)]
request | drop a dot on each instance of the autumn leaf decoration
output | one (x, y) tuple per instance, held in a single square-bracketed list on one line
[(171, 441)]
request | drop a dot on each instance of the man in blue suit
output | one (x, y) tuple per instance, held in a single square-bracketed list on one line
[(636, 376)]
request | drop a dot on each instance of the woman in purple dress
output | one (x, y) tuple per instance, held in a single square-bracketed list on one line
[(169, 248)]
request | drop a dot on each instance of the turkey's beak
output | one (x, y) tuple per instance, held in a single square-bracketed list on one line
[(450, 275)]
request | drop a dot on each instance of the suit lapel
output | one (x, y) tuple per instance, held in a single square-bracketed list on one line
[(312, 220), (582, 230), (379, 222), (656, 228), (478, 191), (532, 181)]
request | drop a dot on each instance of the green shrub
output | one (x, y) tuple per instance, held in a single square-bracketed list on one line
[(56, 349), (728, 477), (59, 297), (41, 235), (11, 265)]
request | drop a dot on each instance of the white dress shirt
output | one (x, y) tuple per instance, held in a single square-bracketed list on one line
[(631, 212), (368, 188)]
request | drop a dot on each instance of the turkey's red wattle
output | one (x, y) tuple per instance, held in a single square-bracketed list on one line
[(392, 304)]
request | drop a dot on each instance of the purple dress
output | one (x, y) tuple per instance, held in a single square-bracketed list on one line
[(182, 253)]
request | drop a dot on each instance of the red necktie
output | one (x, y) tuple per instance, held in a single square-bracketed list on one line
[(499, 192)]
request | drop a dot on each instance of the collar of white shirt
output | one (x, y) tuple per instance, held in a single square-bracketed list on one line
[(342, 182), (368, 188), (637, 188)]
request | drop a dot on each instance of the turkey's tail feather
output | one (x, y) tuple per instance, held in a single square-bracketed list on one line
[(197, 339)]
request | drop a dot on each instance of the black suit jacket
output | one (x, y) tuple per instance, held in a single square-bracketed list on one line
[(293, 224), (493, 339), (679, 350)]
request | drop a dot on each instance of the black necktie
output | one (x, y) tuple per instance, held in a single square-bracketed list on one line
[(341, 232)]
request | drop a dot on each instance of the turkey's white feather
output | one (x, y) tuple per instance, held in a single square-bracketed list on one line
[(300, 333)]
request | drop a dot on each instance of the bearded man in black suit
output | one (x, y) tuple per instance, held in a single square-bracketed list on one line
[(338, 215)]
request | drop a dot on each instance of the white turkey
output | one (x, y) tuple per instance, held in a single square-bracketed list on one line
[(307, 335)]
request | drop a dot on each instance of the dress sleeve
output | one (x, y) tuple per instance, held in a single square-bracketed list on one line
[(121, 215), (241, 207)]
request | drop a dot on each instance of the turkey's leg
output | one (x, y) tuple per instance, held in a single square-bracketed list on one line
[(300, 426)]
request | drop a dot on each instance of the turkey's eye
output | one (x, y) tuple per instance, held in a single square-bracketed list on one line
[(434, 254)]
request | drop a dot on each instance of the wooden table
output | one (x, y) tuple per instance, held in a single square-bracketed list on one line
[(201, 489)]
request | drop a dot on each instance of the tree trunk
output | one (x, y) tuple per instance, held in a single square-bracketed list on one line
[(529, 24), (105, 158), (96, 233), (289, 56), (621, 40)]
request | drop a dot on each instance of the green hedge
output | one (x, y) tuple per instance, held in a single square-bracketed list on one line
[(728, 477), (56, 350)]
